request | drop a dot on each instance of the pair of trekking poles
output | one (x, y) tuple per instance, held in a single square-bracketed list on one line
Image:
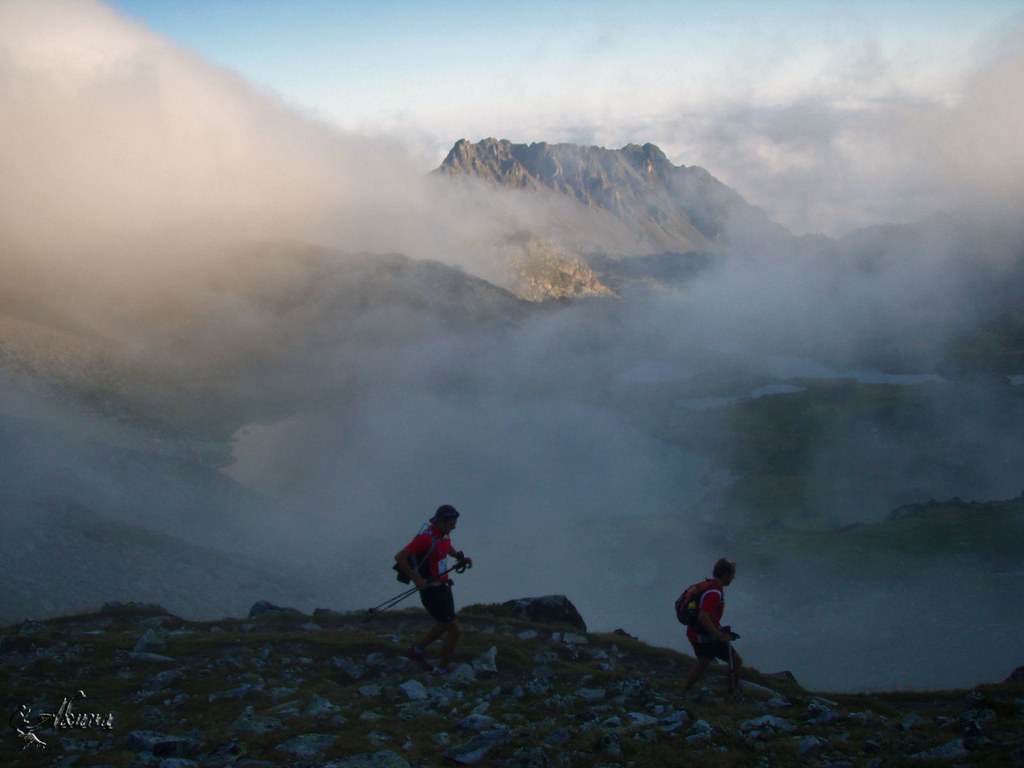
[(392, 602)]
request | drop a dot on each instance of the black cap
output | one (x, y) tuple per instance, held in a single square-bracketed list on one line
[(446, 512)]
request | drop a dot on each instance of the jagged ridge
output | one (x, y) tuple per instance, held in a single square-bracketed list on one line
[(673, 208)]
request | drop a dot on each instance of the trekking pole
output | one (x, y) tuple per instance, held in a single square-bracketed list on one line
[(389, 603), (731, 686), (732, 683), (392, 602)]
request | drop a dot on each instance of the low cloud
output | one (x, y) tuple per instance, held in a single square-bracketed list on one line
[(857, 146)]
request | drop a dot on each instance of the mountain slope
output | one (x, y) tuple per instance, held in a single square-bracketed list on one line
[(89, 559), (283, 688)]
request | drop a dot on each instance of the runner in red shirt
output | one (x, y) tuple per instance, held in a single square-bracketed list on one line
[(425, 561), (709, 639)]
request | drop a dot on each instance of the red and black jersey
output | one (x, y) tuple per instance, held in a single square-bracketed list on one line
[(429, 550), (712, 602)]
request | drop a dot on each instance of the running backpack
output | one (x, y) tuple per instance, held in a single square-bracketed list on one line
[(420, 564), (688, 603)]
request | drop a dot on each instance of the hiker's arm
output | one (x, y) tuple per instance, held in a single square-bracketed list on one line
[(461, 557), (403, 559), (709, 628)]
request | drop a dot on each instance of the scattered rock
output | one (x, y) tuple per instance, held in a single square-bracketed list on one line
[(545, 657), (474, 750), (784, 675), (308, 746), (748, 686), (291, 708), (155, 658), (236, 693), (162, 745), (479, 723), (162, 680), (320, 707), (911, 721), (383, 759), (810, 746), (952, 750), (487, 662), (874, 745), (550, 609), (819, 712), (611, 744), (766, 727), (632, 686), (975, 721), (414, 690), (349, 667), (462, 673), (249, 722), (150, 642), (700, 733), (679, 716), (558, 737), (640, 719), (529, 757)]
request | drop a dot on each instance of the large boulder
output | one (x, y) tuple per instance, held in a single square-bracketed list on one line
[(264, 608), (550, 609)]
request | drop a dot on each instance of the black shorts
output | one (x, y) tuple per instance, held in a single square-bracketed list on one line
[(439, 602), (716, 649)]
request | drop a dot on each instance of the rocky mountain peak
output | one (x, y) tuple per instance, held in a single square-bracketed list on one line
[(591, 174), (667, 208), (648, 159)]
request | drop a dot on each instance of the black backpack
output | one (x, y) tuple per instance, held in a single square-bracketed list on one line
[(688, 603)]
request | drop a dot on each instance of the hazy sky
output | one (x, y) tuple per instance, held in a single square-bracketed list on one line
[(604, 73), (536, 71)]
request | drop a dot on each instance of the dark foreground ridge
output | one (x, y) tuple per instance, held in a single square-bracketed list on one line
[(133, 685)]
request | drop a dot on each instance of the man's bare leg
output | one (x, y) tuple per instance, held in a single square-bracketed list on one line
[(450, 641), (696, 673)]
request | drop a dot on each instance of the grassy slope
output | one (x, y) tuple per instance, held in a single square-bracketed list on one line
[(288, 663)]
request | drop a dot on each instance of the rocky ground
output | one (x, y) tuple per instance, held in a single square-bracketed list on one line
[(132, 685)]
